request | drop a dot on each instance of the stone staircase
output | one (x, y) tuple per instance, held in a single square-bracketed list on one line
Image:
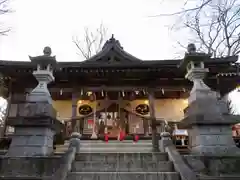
[(98, 160), (122, 166), (111, 146)]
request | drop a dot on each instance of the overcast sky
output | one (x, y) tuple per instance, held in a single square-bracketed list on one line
[(39, 23)]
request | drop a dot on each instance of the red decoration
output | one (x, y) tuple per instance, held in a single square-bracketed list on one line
[(106, 138), (121, 136), (136, 138), (90, 121)]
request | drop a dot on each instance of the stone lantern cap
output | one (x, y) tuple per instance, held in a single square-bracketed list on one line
[(193, 56), (45, 59)]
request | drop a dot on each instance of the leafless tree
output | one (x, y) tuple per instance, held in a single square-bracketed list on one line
[(213, 25), (92, 41), (216, 28), (188, 9), (4, 9)]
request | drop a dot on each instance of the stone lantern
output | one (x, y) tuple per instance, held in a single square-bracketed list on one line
[(208, 127), (35, 120), (44, 75), (193, 63)]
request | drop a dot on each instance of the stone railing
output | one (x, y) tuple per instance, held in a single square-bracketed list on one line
[(166, 145), (68, 158)]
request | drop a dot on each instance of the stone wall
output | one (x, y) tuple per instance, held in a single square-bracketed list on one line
[(29, 166), (214, 165)]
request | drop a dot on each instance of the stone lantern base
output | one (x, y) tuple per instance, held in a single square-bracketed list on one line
[(209, 130), (35, 125)]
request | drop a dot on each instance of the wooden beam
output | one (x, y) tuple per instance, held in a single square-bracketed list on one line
[(119, 88)]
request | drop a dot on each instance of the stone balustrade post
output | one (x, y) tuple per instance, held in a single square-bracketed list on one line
[(75, 141), (165, 141)]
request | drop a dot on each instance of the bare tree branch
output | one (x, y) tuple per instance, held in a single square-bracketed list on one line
[(4, 9), (213, 25), (216, 25), (92, 41), (198, 8)]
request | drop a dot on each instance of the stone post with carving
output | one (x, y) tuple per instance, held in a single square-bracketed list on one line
[(35, 120), (208, 128)]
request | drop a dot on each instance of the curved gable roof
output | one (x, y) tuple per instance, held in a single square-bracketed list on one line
[(112, 52)]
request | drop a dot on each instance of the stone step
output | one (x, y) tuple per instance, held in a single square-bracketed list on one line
[(109, 149), (3, 152), (20, 178), (113, 157), (123, 176), (99, 143), (111, 146), (125, 166)]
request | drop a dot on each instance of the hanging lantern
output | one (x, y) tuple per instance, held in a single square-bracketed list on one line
[(85, 109), (144, 92), (91, 97), (106, 97), (163, 91), (3, 88), (238, 88), (142, 109), (132, 96), (109, 116), (3, 91)]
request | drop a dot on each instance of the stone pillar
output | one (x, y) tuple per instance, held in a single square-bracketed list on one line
[(94, 134), (151, 99), (35, 120), (208, 128)]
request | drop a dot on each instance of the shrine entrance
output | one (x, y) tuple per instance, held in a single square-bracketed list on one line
[(111, 120)]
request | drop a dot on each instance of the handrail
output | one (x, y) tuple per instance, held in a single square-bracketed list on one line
[(67, 159), (181, 167)]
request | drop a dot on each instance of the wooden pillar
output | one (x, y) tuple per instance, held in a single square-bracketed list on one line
[(145, 126), (74, 111), (155, 139)]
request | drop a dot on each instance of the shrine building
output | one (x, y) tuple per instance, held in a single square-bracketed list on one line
[(115, 88)]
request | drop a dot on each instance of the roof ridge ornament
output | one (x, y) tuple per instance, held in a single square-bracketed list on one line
[(47, 51), (191, 48), (112, 42)]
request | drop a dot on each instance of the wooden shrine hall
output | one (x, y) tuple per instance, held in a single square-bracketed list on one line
[(114, 90)]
